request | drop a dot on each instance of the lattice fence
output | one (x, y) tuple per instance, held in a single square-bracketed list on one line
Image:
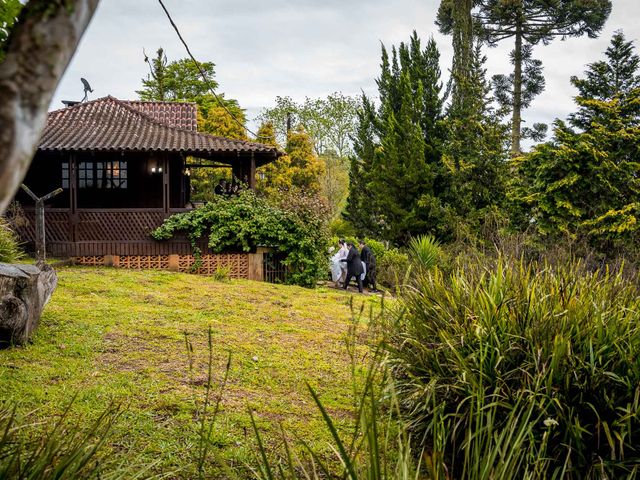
[(57, 228), (144, 261), (93, 260), (117, 225), (237, 263)]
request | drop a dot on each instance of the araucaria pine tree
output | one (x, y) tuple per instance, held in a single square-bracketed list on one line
[(586, 182), (528, 23)]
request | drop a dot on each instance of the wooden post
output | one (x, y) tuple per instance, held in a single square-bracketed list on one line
[(73, 205), (41, 253), (252, 172), (166, 194)]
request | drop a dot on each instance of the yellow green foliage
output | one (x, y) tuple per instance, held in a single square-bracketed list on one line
[(299, 169)]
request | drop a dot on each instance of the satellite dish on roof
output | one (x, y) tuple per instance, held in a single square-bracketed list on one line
[(87, 89)]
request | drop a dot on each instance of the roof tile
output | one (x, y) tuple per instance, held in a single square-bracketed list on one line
[(109, 124)]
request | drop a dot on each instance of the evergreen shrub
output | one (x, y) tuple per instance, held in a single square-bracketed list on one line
[(521, 371), (242, 223), (392, 268)]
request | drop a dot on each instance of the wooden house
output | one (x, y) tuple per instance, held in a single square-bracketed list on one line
[(124, 167)]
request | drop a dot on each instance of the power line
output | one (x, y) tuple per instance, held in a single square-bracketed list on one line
[(204, 75)]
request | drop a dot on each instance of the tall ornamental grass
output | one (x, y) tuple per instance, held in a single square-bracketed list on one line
[(521, 371), (9, 248)]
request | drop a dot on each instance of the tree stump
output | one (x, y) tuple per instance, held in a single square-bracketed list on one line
[(24, 291)]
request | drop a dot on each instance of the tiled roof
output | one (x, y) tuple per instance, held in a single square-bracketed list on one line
[(175, 114), (108, 124)]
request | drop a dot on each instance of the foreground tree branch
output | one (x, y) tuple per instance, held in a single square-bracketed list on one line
[(39, 50)]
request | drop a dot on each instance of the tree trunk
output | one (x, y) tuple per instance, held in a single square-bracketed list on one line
[(40, 48), (516, 121), (462, 53), (24, 291)]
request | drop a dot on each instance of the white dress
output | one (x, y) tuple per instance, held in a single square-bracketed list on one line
[(336, 268)]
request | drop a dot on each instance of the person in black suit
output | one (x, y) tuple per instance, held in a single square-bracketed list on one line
[(354, 266), (221, 187), (369, 260)]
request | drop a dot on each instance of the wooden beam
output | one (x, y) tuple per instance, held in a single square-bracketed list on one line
[(41, 250), (213, 165)]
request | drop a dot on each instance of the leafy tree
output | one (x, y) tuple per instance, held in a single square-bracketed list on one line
[(305, 166), (9, 10), (334, 182), (177, 81), (587, 182), (329, 121), (224, 121), (299, 170), (529, 23), (181, 81)]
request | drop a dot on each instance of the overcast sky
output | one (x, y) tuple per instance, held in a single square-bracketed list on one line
[(299, 48)]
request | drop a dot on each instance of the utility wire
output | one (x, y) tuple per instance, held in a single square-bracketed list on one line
[(204, 75)]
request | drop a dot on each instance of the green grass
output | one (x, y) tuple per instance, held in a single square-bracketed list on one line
[(118, 336)]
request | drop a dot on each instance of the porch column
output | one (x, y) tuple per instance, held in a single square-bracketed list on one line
[(252, 172), (73, 198), (166, 197)]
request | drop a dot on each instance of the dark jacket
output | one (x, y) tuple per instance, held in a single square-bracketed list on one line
[(354, 263), (367, 256)]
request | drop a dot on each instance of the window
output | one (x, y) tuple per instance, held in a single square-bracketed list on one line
[(65, 175), (112, 174), (85, 175)]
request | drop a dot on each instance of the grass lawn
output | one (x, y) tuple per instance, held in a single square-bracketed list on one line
[(112, 335)]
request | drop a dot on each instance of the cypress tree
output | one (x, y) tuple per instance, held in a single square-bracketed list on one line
[(475, 149), (396, 171)]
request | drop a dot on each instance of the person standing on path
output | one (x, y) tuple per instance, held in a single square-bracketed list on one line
[(369, 260), (354, 266), (338, 268)]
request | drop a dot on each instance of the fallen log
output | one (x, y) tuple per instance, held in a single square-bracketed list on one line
[(24, 291)]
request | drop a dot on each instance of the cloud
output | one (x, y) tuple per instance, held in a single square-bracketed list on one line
[(299, 48)]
